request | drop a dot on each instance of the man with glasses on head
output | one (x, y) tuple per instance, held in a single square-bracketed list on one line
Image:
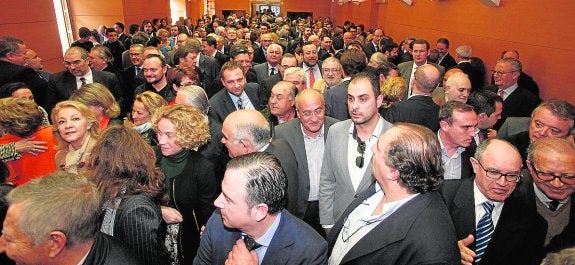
[(492, 226), (549, 187), (517, 102), (347, 158), (63, 84)]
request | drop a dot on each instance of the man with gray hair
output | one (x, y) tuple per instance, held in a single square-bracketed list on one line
[(517, 101), (463, 55), (271, 65), (247, 131), (251, 225), (296, 76), (419, 108), (54, 220), (457, 87)]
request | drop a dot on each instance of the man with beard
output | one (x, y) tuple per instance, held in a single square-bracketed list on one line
[(155, 69)]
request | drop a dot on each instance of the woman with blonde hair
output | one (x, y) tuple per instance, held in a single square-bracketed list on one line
[(190, 177), (101, 102), (145, 105), (393, 90), (76, 129), (123, 168), (21, 119)]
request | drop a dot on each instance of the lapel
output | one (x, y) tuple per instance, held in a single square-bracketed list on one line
[(368, 178), (227, 103), (69, 84), (463, 213), (278, 251), (341, 140), (299, 148)]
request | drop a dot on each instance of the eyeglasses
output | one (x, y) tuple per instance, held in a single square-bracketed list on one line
[(499, 73), (316, 112), (550, 176), (330, 70), (496, 175), (359, 160)]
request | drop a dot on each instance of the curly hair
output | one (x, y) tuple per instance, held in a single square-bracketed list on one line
[(20, 117), (416, 154), (151, 101), (392, 90), (96, 94), (192, 130), (122, 159), (83, 109)]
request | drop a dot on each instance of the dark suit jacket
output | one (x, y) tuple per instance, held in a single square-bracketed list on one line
[(209, 70), (521, 141), (419, 232), (518, 237), (284, 153), (108, 250), (262, 71), (259, 55), (10, 72), (294, 242), (526, 82), (131, 82), (336, 101), (369, 49), (221, 58), (63, 85), (565, 239), (222, 105), (448, 62), (266, 87), (475, 76), (418, 109), (292, 134), (323, 54), (520, 103)]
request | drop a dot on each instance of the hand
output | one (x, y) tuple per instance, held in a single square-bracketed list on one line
[(30, 147), (202, 230), (241, 256), (171, 215), (467, 255), (491, 133)]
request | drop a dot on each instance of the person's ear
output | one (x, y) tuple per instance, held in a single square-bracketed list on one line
[(56, 243)]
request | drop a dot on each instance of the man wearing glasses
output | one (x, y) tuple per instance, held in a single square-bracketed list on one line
[(548, 189), (517, 102), (63, 84), (492, 226), (347, 157)]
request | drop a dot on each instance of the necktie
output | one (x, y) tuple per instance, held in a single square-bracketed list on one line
[(484, 231), (311, 78), (553, 205), (376, 48), (272, 71), (83, 80), (502, 94), (240, 106), (251, 244), (137, 71)]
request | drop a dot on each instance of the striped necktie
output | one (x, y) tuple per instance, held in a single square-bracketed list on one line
[(240, 106), (484, 231)]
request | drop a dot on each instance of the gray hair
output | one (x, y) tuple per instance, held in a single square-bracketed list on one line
[(196, 97), (464, 51), (9, 45), (104, 53), (295, 70), (515, 64)]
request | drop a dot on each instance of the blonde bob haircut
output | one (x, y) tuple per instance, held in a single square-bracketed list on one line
[(97, 95), (83, 109), (392, 90), (192, 130), (20, 117), (151, 101)]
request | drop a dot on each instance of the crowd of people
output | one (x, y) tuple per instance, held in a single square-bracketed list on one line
[(270, 140)]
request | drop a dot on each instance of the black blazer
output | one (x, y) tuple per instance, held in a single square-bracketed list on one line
[(284, 153), (336, 101), (108, 250), (10, 72), (475, 76), (369, 49), (520, 103), (419, 232), (417, 109), (209, 70), (63, 84), (518, 237), (259, 55), (222, 105), (221, 58), (448, 62), (266, 87), (131, 82)]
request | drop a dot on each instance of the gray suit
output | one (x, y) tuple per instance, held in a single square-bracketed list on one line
[(291, 132), (336, 101), (262, 71), (335, 177), (405, 72)]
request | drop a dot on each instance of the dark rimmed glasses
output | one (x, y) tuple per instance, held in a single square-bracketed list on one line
[(496, 175), (550, 176), (360, 160)]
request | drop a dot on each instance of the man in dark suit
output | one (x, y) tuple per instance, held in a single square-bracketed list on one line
[(248, 131), (272, 64), (260, 52), (517, 102), (209, 49), (457, 122), (306, 135), (492, 226), (12, 69), (445, 59), (287, 61), (419, 108), (419, 50), (525, 81), (238, 53), (417, 229), (133, 75), (63, 84), (352, 62), (65, 208), (373, 46), (116, 47), (488, 107), (236, 95), (311, 64), (251, 207), (326, 49), (463, 56)]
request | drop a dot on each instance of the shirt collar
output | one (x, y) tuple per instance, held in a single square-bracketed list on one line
[(266, 239), (309, 137)]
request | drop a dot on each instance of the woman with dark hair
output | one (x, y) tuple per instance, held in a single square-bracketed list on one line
[(122, 166), (190, 178), (21, 119), (180, 77), (21, 90), (101, 102)]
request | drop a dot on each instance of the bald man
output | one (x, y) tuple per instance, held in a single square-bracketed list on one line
[(246, 131), (457, 87), (306, 135)]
